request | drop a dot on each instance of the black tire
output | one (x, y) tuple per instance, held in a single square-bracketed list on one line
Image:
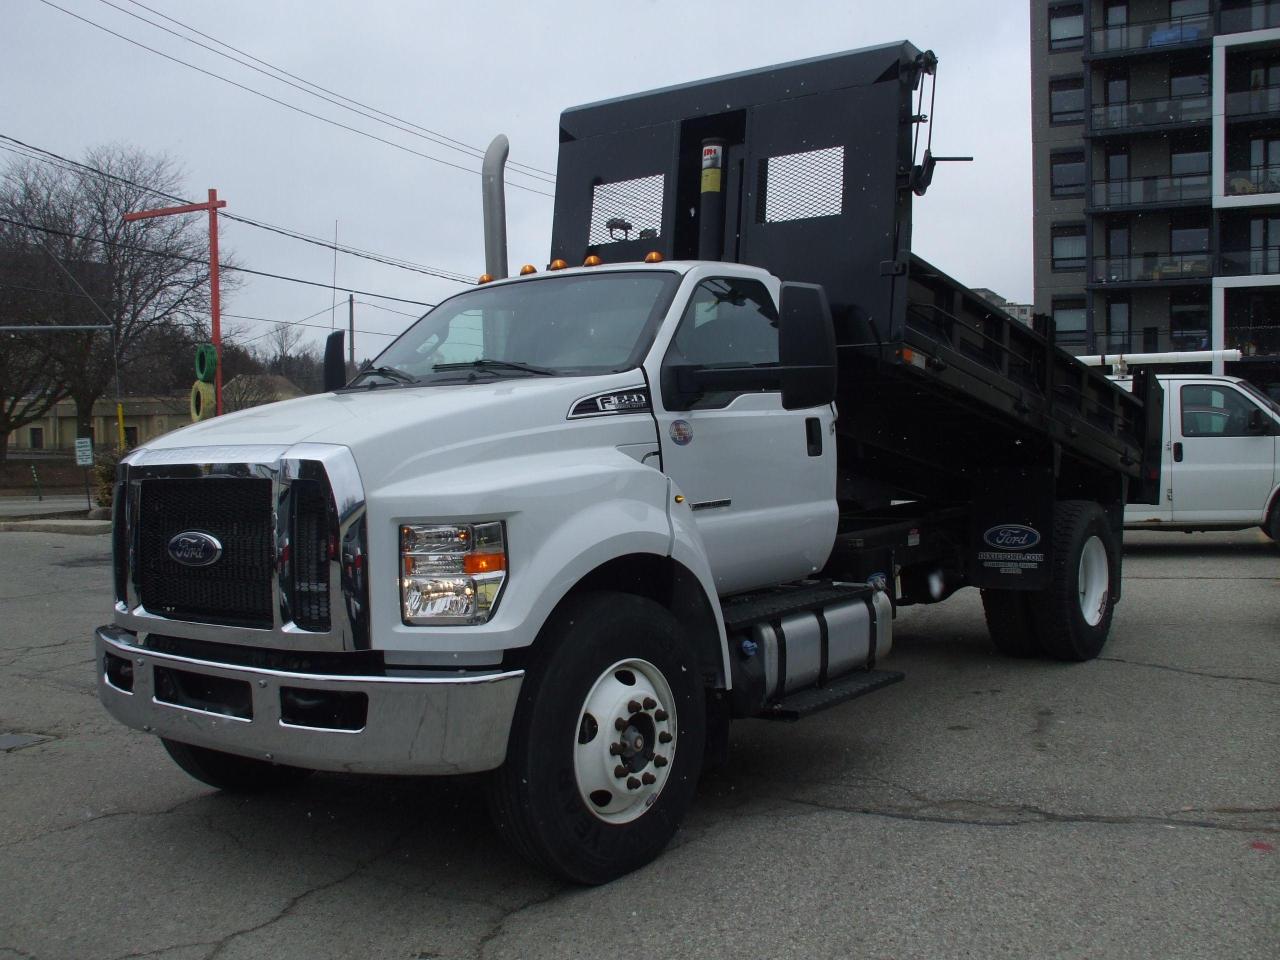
[(1010, 623), (1272, 527), (231, 773), (1064, 632), (535, 796)]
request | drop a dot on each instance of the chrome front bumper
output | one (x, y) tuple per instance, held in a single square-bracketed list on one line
[(456, 723)]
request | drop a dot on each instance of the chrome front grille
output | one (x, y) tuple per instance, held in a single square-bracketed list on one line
[(291, 527)]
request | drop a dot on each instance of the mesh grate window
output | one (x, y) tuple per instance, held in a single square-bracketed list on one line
[(311, 555), (800, 186), (627, 210)]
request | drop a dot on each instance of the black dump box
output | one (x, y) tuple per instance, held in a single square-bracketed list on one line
[(817, 164)]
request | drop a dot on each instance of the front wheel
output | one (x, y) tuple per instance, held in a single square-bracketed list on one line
[(1073, 614), (607, 741)]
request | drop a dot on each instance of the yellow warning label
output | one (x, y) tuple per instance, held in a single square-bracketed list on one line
[(711, 180)]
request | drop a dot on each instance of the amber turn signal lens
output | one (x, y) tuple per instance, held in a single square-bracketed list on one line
[(527, 269), (474, 563), (653, 256), (592, 261), (557, 265), (485, 278)]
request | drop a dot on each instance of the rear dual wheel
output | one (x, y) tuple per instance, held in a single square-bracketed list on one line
[(607, 741)]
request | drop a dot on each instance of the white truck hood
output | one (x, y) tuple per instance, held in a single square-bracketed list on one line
[(390, 428)]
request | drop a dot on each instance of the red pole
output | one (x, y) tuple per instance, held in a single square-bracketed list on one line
[(215, 299)]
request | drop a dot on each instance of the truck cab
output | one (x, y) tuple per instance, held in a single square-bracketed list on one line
[(1220, 467)]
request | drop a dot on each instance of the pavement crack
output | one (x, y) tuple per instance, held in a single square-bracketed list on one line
[(109, 815), (499, 927), (1194, 673)]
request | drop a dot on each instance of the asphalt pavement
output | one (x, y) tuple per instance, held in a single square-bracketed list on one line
[(985, 808)]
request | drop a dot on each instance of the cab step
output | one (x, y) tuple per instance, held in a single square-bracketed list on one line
[(802, 703)]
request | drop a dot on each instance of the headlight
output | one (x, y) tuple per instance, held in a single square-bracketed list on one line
[(451, 574)]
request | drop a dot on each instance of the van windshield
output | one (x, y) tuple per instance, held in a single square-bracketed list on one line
[(572, 325)]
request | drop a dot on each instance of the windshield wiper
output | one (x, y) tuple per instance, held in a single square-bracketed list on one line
[(391, 373), (485, 363)]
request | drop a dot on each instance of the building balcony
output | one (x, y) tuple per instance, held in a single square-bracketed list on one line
[(1152, 268), (1151, 35), (1150, 191), (1157, 112), (1253, 180), (1261, 101), (1258, 261), (1253, 341), (1242, 17)]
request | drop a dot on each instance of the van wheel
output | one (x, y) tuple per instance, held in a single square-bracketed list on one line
[(232, 773), (1009, 621), (607, 741), (1272, 527), (1073, 614)]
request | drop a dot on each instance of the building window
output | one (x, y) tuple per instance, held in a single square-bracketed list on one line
[(1117, 325), (1066, 27), (1188, 159), (1066, 174), (1188, 237), (130, 437), (1188, 320), (1188, 8), (1066, 100), (1069, 321), (1188, 82), (1068, 247), (35, 438)]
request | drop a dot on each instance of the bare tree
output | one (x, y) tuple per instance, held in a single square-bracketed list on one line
[(149, 275)]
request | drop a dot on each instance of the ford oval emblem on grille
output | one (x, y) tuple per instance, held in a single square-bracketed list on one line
[(1012, 536), (192, 548)]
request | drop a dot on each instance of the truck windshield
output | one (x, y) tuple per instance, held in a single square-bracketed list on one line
[(567, 326)]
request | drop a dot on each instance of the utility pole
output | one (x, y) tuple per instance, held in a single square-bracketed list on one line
[(215, 304), (351, 334)]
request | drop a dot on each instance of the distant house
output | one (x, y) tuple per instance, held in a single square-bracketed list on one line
[(144, 419)]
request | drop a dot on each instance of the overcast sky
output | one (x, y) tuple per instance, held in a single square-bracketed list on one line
[(469, 71)]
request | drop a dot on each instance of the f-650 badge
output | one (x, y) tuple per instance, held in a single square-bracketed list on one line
[(1011, 536)]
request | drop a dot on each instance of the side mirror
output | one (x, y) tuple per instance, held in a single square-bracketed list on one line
[(335, 365), (806, 347)]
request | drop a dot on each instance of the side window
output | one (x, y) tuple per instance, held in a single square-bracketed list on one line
[(1212, 411), (727, 323)]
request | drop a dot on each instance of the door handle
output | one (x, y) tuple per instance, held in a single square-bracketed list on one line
[(1177, 452), (813, 435)]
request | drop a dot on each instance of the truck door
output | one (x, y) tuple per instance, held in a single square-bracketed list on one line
[(759, 479), (1162, 511), (1222, 472)]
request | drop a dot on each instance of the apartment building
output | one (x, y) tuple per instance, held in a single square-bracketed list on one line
[(1156, 143)]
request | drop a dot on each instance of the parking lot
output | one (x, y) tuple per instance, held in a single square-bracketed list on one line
[(1127, 807)]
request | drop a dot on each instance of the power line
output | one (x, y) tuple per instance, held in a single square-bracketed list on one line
[(48, 156), (193, 260), (393, 121), (378, 306), (279, 102), (296, 323)]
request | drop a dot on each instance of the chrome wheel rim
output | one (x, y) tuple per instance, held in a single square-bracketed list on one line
[(625, 741), (1094, 581)]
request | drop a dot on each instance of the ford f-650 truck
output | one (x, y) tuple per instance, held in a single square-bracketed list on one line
[(571, 523)]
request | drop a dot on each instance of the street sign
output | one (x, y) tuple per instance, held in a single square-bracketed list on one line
[(84, 452)]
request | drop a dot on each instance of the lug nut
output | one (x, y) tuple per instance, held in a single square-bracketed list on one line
[(620, 771), (632, 783), (664, 737), (648, 779), (619, 724), (615, 749), (660, 715), (659, 761), (633, 706), (650, 703)]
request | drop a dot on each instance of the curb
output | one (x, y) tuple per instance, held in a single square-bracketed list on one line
[(82, 527)]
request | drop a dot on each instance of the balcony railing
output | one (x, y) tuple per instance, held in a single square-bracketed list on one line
[(1249, 262), (1259, 100), (1151, 267), (1250, 16), (1151, 190), (1253, 180), (1253, 341), (1113, 343), (1151, 33), (1149, 113)]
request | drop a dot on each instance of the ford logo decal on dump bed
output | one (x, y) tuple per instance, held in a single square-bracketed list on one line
[(192, 548), (1011, 536)]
